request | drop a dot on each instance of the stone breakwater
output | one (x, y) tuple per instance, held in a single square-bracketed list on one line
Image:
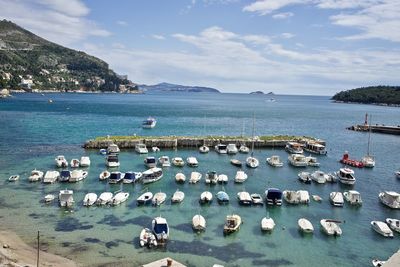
[(189, 142)]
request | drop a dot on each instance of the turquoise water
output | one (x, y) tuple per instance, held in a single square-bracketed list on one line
[(33, 132)]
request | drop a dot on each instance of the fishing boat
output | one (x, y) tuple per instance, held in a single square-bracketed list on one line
[(304, 177), (244, 149), (85, 161), (305, 225), (353, 197), (74, 163), (204, 149), (336, 199), (275, 161), (378, 263), (231, 149), (131, 177), (298, 160), (35, 176), (104, 175), (149, 123), (236, 162), (267, 224), (104, 198), (159, 198), (232, 223), (13, 178), (89, 199), (294, 148), (273, 196), (256, 199), (152, 175), (222, 179), (312, 161), (381, 228), (319, 177), (160, 229), (178, 162), (49, 198), (64, 176), (394, 224), (222, 197), (244, 198), (390, 199), (206, 197), (164, 161), (198, 223), (51, 177), (145, 198), (331, 227), (315, 147), (192, 162), (346, 176), (351, 162), (113, 149), (178, 196), (240, 176), (368, 160), (112, 161), (221, 149), (65, 197), (61, 162), (147, 238), (150, 162), (195, 177), (180, 177), (115, 177), (296, 197), (119, 198), (211, 177), (77, 175)]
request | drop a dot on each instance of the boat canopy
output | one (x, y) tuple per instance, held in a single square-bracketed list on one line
[(65, 173), (112, 158), (151, 160), (274, 193), (129, 176), (115, 176)]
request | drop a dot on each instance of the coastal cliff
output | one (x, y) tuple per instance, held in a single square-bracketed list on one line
[(380, 95)]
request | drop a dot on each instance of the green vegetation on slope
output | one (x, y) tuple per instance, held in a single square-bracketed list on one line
[(371, 95)]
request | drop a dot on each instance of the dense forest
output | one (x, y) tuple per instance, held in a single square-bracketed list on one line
[(371, 95)]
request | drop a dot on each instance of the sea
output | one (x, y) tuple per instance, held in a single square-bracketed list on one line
[(33, 132)]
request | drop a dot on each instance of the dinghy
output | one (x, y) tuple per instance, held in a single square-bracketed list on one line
[(331, 227), (158, 199), (317, 198), (305, 225), (104, 198), (232, 223), (394, 224), (178, 197), (195, 177), (204, 149), (145, 198), (236, 162), (267, 224), (198, 222), (89, 199), (104, 175), (206, 197), (147, 238), (49, 198), (119, 198), (180, 177), (13, 178)]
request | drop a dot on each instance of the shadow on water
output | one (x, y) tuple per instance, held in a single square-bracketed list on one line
[(113, 220), (276, 262), (184, 227), (71, 224)]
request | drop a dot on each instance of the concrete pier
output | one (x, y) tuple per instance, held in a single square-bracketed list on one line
[(376, 129)]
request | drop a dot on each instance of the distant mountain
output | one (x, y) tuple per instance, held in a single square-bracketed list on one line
[(389, 95), (257, 93), (30, 62), (168, 87)]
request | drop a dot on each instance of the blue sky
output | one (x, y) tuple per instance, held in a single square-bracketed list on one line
[(286, 46)]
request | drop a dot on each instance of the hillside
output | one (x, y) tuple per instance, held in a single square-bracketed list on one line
[(168, 87), (389, 95), (30, 62)]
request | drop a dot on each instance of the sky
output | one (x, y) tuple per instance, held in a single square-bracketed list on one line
[(302, 47)]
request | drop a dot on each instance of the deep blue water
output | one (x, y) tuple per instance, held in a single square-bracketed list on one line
[(34, 131)]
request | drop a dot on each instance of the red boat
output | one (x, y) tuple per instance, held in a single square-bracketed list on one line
[(351, 162)]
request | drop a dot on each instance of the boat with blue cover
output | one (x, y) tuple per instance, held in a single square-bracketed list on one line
[(222, 197), (149, 123)]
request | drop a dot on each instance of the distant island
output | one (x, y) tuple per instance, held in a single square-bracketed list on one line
[(169, 87), (271, 93), (257, 93), (379, 95)]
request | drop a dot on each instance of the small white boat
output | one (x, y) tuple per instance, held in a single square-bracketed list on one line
[(159, 198), (77, 175), (65, 197), (103, 151), (275, 161), (315, 147), (89, 199), (206, 197), (147, 238), (331, 227), (119, 198), (141, 149), (298, 160), (211, 177), (198, 222), (236, 162), (336, 199), (177, 197), (155, 149), (317, 198), (85, 161), (294, 148), (244, 149), (160, 229), (353, 197), (256, 199), (390, 199), (149, 123), (104, 198), (346, 176), (394, 224), (312, 161), (180, 177), (13, 178), (61, 162), (397, 174), (145, 198), (178, 162), (304, 177), (152, 175), (382, 228), (74, 163), (368, 161), (222, 179), (221, 149), (204, 149), (267, 224), (36, 176), (192, 162), (296, 197), (232, 223), (51, 177), (252, 162), (150, 162), (378, 263), (104, 175), (112, 161), (164, 161), (113, 149), (195, 177), (49, 198), (244, 198), (305, 225), (240, 176), (231, 149), (331, 177)]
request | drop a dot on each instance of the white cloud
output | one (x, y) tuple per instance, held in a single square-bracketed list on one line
[(122, 23), (283, 15), (264, 7), (287, 35), (60, 21), (158, 37)]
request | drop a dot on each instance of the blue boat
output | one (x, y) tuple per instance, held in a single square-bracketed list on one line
[(64, 176), (160, 229), (115, 178), (149, 123), (222, 197), (103, 151), (273, 196), (131, 177)]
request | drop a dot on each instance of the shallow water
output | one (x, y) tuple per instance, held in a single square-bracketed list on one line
[(34, 132)]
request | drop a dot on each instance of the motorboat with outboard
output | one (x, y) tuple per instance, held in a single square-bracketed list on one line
[(152, 175), (305, 225), (336, 199), (74, 163), (198, 222), (390, 199), (331, 227), (232, 223), (267, 224), (36, 176), (319, 177), (64, 176), (222, 197), (382, 228), (178, 196), (240, 176), (206, 197), (180, 177), (222, 179), (192, 162), (147, 238), (115, 177), (195, 177), (77, 175), (236, 162), (141, 149), (150, 162), (61, 162), (149, 123), (346, 176), (231, 149), (178, 162), (65, 198), (394, 224), (104, 175), (275, 161), (211, 177), (273, 196), (164, 161), (353, 197), (89, 199), (85, 161), (104, 198), (131, 177), (304, 177), (244, 149), (244, 198), (256, 199), (119, 198), (51, 177), (159, 198), (145, 198), (160, 229)]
